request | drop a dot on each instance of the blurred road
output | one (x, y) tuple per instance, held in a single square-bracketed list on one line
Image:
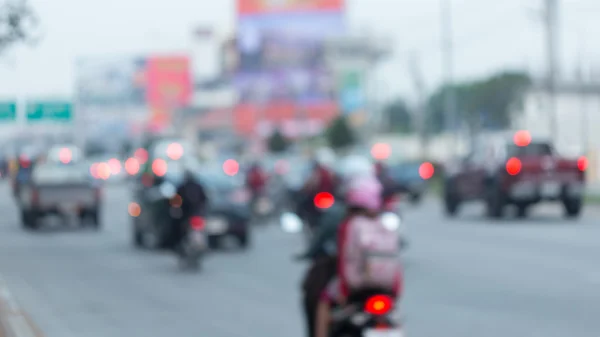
[(465, 277)]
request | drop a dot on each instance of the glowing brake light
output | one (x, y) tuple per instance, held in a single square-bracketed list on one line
[(582, 163), (513, 166), (379, 305), (115, 166), (381, 151), (324, 200), (197, 223), (231, 167), (103, 171), (134, 209), (132, 166), (175, 151), (522, 138), (141, 155), (426, 171), (65, 156), (159, 167)]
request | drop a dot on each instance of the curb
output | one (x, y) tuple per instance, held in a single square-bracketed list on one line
[(14, 322)]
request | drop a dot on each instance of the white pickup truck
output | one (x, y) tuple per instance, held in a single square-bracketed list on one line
[(59, 189)]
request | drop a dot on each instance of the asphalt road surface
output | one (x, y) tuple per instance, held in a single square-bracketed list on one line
[(465, 277)]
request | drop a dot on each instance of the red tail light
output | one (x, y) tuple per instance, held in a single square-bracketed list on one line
[(324, 200), (35, 197), (379, 305), (513, 166), (582, 163), (426, 171), (197, 223)]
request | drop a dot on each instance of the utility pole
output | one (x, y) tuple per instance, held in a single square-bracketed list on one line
[(421, 113), (551, 14), (448, 66)]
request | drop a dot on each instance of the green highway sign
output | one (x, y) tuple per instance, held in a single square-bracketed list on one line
[(56, 111), (8, 112)]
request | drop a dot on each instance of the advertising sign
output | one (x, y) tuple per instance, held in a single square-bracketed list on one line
[(282, 73), (169, 81), (254, 7)]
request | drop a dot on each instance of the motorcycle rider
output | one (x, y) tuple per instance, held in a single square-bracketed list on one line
[(321, 179), (256, 179), (193, 202), (322, 249), (354, 267)]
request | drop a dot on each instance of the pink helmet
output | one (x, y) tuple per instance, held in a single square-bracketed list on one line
[(365, 192)]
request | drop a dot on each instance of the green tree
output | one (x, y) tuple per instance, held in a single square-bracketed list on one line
[(397, 117), (277, 142), (340, 134), (484, 103), (17, 22)]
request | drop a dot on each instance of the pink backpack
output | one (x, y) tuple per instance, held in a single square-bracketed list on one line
[(372, 255)]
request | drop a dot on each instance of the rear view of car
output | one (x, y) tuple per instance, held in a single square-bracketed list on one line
[(58, 189)]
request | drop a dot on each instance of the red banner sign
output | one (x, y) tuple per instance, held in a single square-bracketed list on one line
[(250, 7)]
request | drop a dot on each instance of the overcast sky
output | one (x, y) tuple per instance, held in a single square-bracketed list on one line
[(489, 35)]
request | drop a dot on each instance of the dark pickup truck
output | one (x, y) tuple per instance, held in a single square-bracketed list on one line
[(519, 173)]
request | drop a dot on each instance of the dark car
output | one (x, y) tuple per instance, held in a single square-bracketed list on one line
[(227, 213), (408, 178), (229, 210), (516, 172)]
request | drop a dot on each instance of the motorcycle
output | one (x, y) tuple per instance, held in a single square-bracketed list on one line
[(368, 313), (291, 223), (194, 244)]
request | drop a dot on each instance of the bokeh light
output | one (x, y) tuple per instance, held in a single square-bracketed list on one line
[(231, 167), (381, 151), (426, 170), (324, 200), (159, 167)]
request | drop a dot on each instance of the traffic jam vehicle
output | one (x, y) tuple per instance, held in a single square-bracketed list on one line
[(518, 171)]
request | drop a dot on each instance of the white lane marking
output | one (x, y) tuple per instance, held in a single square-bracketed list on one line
[(7, 298), (20, 327), (13, 319)]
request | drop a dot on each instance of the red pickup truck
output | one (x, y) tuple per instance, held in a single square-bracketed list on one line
[(518, 172)]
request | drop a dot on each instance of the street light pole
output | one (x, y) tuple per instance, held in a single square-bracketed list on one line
[(448, 66), (551, 45)]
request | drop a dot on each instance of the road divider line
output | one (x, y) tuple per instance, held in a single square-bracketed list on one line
[(14, 322)]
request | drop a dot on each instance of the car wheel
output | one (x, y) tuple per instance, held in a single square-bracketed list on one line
[(244, 240), (214, 242), (451, 199), (573, 207), (136, 235), (30, 220), (522, 210), (495, 202)]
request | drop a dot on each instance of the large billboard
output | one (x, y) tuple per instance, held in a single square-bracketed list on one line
[(282, 72), (158, 84)]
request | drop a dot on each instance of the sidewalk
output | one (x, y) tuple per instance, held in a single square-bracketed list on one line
[(14, 322)]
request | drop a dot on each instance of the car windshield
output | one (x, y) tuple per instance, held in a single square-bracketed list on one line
[(161, 148), (218, 180), (57, 173), (404, 170), (62, 152), (533, 149)]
